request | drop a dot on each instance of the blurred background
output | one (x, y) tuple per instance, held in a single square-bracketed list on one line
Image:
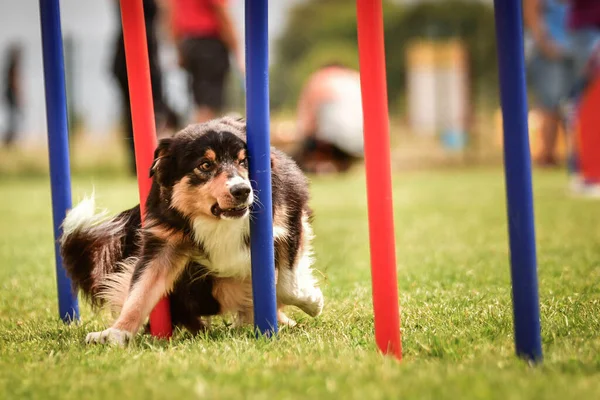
[(441, 70)]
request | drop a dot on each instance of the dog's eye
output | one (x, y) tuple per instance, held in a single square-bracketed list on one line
[(206, 166), (244, 163)]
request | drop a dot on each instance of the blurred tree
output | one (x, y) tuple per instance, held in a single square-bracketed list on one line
[(322, 31)]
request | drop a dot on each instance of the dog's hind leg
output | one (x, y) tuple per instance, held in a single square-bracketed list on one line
[(297, 287)]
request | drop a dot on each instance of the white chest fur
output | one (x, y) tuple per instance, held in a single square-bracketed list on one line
[(226, 254)]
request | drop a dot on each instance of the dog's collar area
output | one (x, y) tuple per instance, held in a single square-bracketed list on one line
[(234, 212)]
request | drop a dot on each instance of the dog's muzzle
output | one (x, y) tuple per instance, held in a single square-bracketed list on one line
[(242, 200)]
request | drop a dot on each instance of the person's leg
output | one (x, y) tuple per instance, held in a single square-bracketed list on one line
[(129, 139), (343, 161), (167, 119), (12, 127), (127, 127), (549, 132), (119, 72), (549, 82), (208, 65), (307, 153), (320, 157)]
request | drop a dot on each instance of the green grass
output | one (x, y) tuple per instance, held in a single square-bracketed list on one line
[(453, 276)]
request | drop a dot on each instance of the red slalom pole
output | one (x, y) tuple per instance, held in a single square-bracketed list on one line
[(589, 139), (144, 129), (379, 180)]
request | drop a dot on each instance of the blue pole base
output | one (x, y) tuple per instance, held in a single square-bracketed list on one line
[(517, 164)]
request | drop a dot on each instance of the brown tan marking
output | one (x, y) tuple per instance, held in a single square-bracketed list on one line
[(211, 155), (191, 201), (217, 187), (280, 230), (172, 236), (241, 170), (233, 295), (241, 155), (195, 201)]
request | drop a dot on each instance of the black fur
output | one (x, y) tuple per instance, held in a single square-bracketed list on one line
[(192, 297), (91, 254)]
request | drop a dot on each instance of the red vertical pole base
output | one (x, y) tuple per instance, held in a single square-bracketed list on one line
[(589, 133), (379, 179), (144, 129), (160, 320)]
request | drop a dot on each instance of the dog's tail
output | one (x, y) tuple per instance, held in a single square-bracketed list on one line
[(99, 252)]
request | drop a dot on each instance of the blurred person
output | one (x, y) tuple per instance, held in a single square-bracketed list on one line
[(12, 93), (584, 28), (204, 34), (550, 69), (330, 122), (584, 31), (166, 118)]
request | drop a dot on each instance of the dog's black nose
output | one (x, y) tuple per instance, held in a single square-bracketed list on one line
[(240, 191)]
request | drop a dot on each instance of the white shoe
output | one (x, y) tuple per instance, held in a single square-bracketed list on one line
[(579, 187)]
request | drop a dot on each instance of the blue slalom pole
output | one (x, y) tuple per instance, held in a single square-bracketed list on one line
[(58, 144), (517, 165), (259, 156)]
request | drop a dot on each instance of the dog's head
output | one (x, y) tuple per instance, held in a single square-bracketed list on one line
[(203, 170)]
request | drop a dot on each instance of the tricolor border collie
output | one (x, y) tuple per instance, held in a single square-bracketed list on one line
[(194, 244)]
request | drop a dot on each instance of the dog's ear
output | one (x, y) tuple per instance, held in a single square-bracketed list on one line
[(161, 153)]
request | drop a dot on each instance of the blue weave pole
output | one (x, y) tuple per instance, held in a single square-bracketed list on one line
[(58, 144), (259, 157), (517, 165)]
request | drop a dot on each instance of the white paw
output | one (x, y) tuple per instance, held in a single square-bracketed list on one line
[(284, 320), (313, 304), (109, 336)]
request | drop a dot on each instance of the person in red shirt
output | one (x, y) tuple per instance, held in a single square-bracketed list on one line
[(204, 34)]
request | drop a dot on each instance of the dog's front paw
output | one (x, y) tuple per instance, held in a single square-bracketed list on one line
[(109, 336)]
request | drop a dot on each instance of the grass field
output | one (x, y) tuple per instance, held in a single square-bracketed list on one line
[(453, 275)]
